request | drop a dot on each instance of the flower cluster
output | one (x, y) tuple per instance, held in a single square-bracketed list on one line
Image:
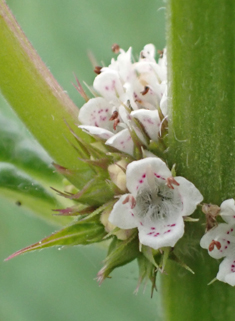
[(131, 100), (126, 193), (220, 242)]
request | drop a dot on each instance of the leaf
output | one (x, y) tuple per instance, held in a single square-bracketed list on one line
[(19, 148), (18, 186), (75, 234)]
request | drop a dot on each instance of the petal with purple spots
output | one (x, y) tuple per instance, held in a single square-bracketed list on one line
[(137, 171), (96, 112), (122, 141), (108, 84), (224, 234), (165, 234), (227, 271), (150, 121), (122, 214)]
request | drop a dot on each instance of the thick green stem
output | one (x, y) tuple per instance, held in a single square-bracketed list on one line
[(35, 95), (201, 51)]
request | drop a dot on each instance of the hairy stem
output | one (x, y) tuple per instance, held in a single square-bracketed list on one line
[(201, 48)]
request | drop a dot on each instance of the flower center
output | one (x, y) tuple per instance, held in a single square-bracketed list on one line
[(157, 202)]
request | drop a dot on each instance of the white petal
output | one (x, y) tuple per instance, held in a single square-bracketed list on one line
[(148, 53), (136, 173), (97, 131), (108, 85), (227, 211), (123, 65), (122, 215), (162, 235), (122, 141), (224, 234), (227, 271), (96, 112), (189, 194), (150, 120)]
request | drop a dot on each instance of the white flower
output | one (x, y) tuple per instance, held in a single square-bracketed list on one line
[(154, 205), (220, 242)]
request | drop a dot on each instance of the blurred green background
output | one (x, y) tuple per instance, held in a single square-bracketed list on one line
[(59, 285)]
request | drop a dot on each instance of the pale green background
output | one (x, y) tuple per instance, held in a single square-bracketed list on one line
[(59, 285)]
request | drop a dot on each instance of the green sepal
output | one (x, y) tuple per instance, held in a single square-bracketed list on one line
[(79, 233), (147, 271), (174, 258), (95, 193), (164, 257), (150, 254), (119, 253)]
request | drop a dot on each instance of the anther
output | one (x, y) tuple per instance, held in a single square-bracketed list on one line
[(97, 70), (130, 199), (116, 119), (114, 115), (115, 48), (213, 244), (145, 91), (170, 181), (160, 52)]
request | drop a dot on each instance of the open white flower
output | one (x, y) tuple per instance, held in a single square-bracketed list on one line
[(154, 205), (220, 242)]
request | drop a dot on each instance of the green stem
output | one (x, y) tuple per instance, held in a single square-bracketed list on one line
[(35, 95), (201, 48)]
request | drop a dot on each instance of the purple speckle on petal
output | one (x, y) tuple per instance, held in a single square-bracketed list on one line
[(150, 233), (231, 230), (158, 176), (141, 223), (144, 175), (132, 214), (172, 225), (228, 242), (106, 87), (153, 228), (141, 181), (156, 234), (168, 231)]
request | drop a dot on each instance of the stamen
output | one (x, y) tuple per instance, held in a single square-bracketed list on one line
[(115, 123), (213, 244), (97, 70), (160, 52), (145, 91), (116, 119), (115, 48), (114, 115), (131, 199), (170, 181)]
